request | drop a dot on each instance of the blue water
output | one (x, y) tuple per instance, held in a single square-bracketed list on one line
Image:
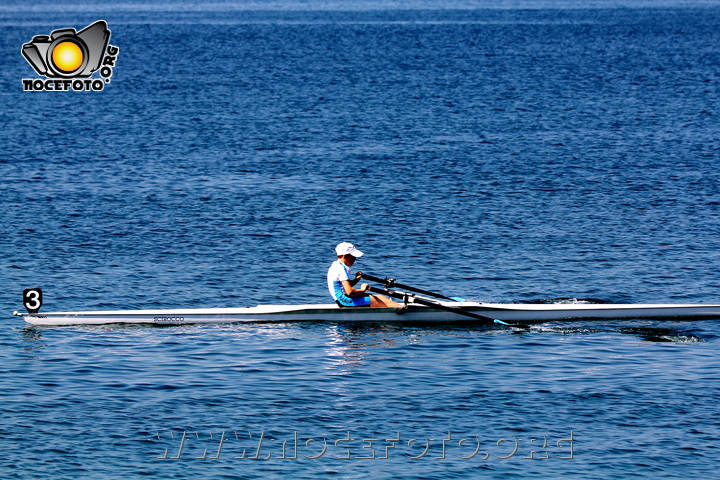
[(527, 153)]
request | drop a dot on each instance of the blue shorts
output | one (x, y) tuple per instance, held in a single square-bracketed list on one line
[(345, 301)]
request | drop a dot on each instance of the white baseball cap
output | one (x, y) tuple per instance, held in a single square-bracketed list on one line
[(346, 248)]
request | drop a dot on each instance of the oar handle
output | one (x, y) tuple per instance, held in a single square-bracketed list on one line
[(384, 281), (428, 303), (391, 283)]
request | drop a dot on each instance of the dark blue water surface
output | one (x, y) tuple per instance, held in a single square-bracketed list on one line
[(505, 155)]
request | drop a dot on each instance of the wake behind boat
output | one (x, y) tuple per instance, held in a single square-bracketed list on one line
[(416, 307)]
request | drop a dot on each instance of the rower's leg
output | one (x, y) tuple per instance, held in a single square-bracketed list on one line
[(381, 301)]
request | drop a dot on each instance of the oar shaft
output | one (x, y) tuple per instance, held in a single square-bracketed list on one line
[(390, 283), (429, 303)]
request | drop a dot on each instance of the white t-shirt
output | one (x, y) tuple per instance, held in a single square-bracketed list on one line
[(337, 273)]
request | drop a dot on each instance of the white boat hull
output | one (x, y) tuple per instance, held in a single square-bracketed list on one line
[(525, 313)]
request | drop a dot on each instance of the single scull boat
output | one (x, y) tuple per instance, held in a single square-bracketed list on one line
[(415, 308), (525, 313)]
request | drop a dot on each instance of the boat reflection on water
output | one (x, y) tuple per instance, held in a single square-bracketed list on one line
[(353, 344), (32, 338)]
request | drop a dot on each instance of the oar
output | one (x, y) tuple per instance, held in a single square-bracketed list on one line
[(390, 283), (429, 303)]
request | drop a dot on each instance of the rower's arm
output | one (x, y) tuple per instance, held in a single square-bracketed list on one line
[(354, 292)]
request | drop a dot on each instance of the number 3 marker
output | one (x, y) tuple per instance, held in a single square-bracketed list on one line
[(32, 299)]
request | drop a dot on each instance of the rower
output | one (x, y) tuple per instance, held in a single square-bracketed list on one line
[(342, 287)]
